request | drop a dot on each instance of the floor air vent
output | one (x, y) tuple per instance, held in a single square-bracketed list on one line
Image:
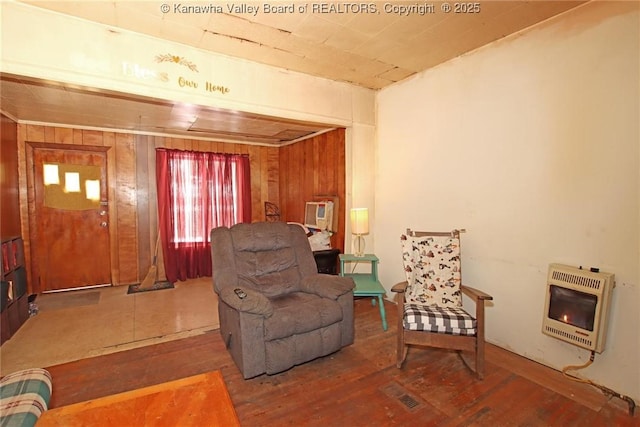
[(396, 391), (408, 401)]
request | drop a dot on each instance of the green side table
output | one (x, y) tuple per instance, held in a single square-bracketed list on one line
[(367, 284)]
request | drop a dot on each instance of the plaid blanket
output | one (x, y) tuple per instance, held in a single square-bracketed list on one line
[(448, 320), (24, 396)]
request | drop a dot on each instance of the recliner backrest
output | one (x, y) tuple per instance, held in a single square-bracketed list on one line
[(270, 258)]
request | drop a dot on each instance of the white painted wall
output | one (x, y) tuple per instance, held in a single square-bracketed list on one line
[(532, 144)]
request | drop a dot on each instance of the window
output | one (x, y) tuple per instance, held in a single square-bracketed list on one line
[(198, 191)]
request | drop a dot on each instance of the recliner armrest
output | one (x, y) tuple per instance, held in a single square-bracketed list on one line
[(327, 285), (254, 302)]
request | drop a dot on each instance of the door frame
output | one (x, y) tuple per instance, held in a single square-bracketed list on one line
[(31, 197)]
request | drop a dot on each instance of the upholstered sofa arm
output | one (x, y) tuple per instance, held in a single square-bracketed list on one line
[(254, 302), (24, 397), (327, 285)]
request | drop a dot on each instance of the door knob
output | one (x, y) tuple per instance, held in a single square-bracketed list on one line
[(103, 224)]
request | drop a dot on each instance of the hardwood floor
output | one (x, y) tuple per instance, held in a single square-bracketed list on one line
[(359, 385)]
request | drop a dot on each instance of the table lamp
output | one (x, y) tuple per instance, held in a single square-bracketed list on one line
[(359, 226)]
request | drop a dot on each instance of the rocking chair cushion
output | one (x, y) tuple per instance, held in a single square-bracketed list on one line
[(448, 320)]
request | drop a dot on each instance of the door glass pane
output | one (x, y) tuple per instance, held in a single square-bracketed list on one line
[(71, 182), (92, 187), (51, 174), (67, 193)]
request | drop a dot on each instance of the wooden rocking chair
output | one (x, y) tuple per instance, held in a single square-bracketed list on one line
[(429, 302)]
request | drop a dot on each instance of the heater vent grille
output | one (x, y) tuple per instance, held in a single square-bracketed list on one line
[(572, 338), (580, 280)]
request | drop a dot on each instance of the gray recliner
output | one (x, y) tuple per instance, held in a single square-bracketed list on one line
[(275, 310)]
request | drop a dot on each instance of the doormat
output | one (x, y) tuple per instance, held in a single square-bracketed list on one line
[(135, 289), (69, 299)]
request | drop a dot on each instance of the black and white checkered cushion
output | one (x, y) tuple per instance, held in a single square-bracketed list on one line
[(448, 320)]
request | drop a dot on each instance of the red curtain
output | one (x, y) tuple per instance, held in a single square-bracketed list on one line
[(198, 191)]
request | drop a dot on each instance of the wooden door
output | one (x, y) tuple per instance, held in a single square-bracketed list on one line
[(70, 227)]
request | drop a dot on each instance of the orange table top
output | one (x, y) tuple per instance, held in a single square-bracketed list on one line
[(200, 400)]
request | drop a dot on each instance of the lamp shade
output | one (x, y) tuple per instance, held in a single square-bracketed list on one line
[(359, 221)]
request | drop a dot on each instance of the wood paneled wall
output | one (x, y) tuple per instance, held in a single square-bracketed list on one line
[(9, 196), (310, 168), (287, 176), (132, 188)]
